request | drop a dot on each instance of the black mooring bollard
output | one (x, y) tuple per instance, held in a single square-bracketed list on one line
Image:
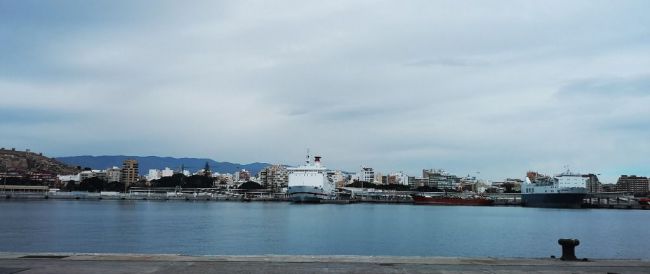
[(568, 249)]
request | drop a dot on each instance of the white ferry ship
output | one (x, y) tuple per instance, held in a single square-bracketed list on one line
[(309, 183), (566, 190)]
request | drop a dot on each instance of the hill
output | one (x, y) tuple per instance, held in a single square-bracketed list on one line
[(155, 162), (23, 162)]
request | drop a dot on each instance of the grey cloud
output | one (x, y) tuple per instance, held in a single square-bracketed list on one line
[(608, 87), (356, 81), (448, 62), (33, 116)]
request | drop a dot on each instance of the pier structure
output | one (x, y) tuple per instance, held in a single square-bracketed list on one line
[(611, 200), (152, 263)]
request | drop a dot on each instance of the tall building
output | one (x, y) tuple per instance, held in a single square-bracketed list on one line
[(274, 177), (634, 184), (129, 173)]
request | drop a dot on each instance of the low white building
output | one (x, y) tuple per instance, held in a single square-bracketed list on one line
[(68, 178), (338, 178), (167, 172), (86, 174), (113, 174), (154, 174)]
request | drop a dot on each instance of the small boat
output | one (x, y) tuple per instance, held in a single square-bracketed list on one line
[(644, 201), (419, 199)]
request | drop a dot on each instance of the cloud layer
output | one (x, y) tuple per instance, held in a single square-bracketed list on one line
[(497, 88)]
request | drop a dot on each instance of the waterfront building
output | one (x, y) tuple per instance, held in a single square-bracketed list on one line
[(167, 172), (129, 173), (608, 187), (633, 184), (593, 184), (392, 179), (224, 179), (399, 178), (243, 176), (379, 178), (154, 174), (366, 174), (113, 174), (415, 182), (508, 185), (438, 178), (69, 178), (338, 178), (274, 177), (481, 186), (86, 174)]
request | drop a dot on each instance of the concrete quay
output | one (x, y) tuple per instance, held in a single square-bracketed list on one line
[(140, 263), (499, 199)]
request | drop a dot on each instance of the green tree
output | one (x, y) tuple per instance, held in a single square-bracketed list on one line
[(93, 184)]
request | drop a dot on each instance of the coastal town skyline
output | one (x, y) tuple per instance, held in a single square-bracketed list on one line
[(498, 88), (190, 165)]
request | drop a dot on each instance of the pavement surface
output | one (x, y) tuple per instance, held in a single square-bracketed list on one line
[(137, 263)]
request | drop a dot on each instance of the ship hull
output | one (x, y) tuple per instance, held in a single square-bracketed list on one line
[(554, 200), (423, 200), (306, 194)]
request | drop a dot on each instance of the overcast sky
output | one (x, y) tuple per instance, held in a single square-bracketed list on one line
[(496, 87)]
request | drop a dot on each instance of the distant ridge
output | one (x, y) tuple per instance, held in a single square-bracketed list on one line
[(156, 162)]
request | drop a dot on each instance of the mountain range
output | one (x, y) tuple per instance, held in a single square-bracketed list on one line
[(154, 162)]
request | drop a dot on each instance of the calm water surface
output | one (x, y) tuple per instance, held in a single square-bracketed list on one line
[(233, 228)]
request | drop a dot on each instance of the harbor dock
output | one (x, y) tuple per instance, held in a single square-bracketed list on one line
[(26, 263), (596, 200)]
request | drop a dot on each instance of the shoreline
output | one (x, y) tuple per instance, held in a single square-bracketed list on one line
[(224, 198)]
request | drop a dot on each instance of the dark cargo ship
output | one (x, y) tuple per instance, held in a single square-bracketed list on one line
[(566, 190), (419, 199)]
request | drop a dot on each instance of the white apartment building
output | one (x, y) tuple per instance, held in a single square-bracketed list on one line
[(154, 174), (113, 174), (68, 178), (366, 174), (401, 178), (167, 172)]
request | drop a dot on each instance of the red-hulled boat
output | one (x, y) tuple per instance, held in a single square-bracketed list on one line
[(419, 199)]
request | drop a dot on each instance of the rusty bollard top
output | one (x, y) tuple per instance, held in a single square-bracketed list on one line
[(570, 242)]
